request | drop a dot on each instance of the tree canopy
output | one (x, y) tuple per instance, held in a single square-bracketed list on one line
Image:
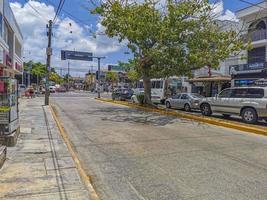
[(174, 39)]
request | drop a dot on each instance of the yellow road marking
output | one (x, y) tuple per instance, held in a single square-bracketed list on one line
[(238, 126), (84, 176)]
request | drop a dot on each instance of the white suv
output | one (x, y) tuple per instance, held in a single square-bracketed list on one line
[(248, 102)]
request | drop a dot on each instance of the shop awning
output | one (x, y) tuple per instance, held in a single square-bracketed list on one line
[(210, 79)]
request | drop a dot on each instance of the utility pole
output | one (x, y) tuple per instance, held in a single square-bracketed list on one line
[(29, 75), (98, 78), (48, 62), (68, 76)]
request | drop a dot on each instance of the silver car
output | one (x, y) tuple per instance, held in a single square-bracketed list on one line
[(248, 102), (186, 101)]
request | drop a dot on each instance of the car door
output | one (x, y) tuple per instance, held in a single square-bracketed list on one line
[(240, 97), (221, 102), (175, 100), (183, 100)]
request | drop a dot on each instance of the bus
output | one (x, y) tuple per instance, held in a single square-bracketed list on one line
[(163, 88)]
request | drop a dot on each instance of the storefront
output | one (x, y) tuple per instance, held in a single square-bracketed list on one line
[(209, 86)]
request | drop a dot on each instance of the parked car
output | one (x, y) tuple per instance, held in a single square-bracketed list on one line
[(61, 89), (248, 102), (186, 101), (122, 94), (52, 89), (154, 97)]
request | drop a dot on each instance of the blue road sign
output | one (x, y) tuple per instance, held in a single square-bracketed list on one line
[(76, 55)]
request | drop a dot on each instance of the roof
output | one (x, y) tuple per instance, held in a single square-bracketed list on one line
[(255, 4), (209, 79)]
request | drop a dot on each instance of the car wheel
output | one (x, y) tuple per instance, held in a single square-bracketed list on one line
[(168, 104), (206, 110), (187, 107), (249, 115), (226, 116)]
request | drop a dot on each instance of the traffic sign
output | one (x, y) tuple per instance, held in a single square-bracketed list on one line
[(76, 55)]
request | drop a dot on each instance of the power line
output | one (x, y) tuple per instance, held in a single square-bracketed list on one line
[(71, 15), (252, 4), (59, 8), (39, 14)]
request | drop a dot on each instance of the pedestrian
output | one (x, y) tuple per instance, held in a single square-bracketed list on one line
[(31, 92)]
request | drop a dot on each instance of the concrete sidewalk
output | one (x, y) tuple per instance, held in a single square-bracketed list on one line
[(39, 166)]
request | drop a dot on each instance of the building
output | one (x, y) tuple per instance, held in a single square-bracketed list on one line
[(11, 42), (253, 68), (208, 81)]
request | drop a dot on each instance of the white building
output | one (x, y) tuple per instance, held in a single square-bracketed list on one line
[(11, 42), (253, 20)]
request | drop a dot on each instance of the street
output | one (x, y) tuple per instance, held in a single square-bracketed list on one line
[(131, 154)]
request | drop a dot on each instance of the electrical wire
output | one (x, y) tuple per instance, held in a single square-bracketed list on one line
[(59, 8), (70, 15), (34, 9)]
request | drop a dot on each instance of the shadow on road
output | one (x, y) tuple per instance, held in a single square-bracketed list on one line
[(133, 116)]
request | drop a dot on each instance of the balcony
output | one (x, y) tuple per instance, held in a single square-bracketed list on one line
[(247, 68), (255, 35)]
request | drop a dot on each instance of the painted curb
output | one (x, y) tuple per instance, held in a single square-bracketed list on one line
[(224, 123), (84, 176)]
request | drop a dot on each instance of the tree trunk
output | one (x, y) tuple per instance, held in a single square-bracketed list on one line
[(147, 90)]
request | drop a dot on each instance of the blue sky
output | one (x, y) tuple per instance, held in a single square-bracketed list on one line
[(81, 37)]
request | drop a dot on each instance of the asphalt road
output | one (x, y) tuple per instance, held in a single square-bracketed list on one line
[(132, 155)]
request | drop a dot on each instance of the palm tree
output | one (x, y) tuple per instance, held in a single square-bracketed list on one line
[(112, 77)]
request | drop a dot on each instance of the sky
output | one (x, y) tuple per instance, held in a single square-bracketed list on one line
[(74, 30)]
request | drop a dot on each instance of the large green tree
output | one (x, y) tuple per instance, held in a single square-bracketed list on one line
[(168, 40)]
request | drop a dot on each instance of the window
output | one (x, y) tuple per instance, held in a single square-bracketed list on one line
[(156, 84), (239, 93), (5, 32), (256, 57), (255, 93), (248, 93), (18, 48), (225, 93), (177, 96), (184, 96)]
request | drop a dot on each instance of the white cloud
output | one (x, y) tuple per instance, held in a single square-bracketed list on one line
[(218, 10), (33, 27)]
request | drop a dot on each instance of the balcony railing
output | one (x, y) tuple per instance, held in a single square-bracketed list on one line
[(255, 35), (247, 67)]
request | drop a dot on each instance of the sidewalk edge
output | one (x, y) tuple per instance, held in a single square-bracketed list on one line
[(216, 122), (85, 178)]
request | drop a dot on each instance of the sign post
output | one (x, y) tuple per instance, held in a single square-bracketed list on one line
[(85, 56)]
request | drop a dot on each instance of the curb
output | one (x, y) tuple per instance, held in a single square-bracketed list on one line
[(3, 151), (84, 176), (228, 124)]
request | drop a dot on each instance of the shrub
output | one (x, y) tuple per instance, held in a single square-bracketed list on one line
[(140, 98)]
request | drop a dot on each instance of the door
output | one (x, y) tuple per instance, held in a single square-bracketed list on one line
[(222, 101), (175, 100), (238, 96), (184, 99)]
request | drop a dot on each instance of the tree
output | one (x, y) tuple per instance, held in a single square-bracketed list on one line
[(112, 77), (129, 67), (171, 40), (37, 70), (55, 78)]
